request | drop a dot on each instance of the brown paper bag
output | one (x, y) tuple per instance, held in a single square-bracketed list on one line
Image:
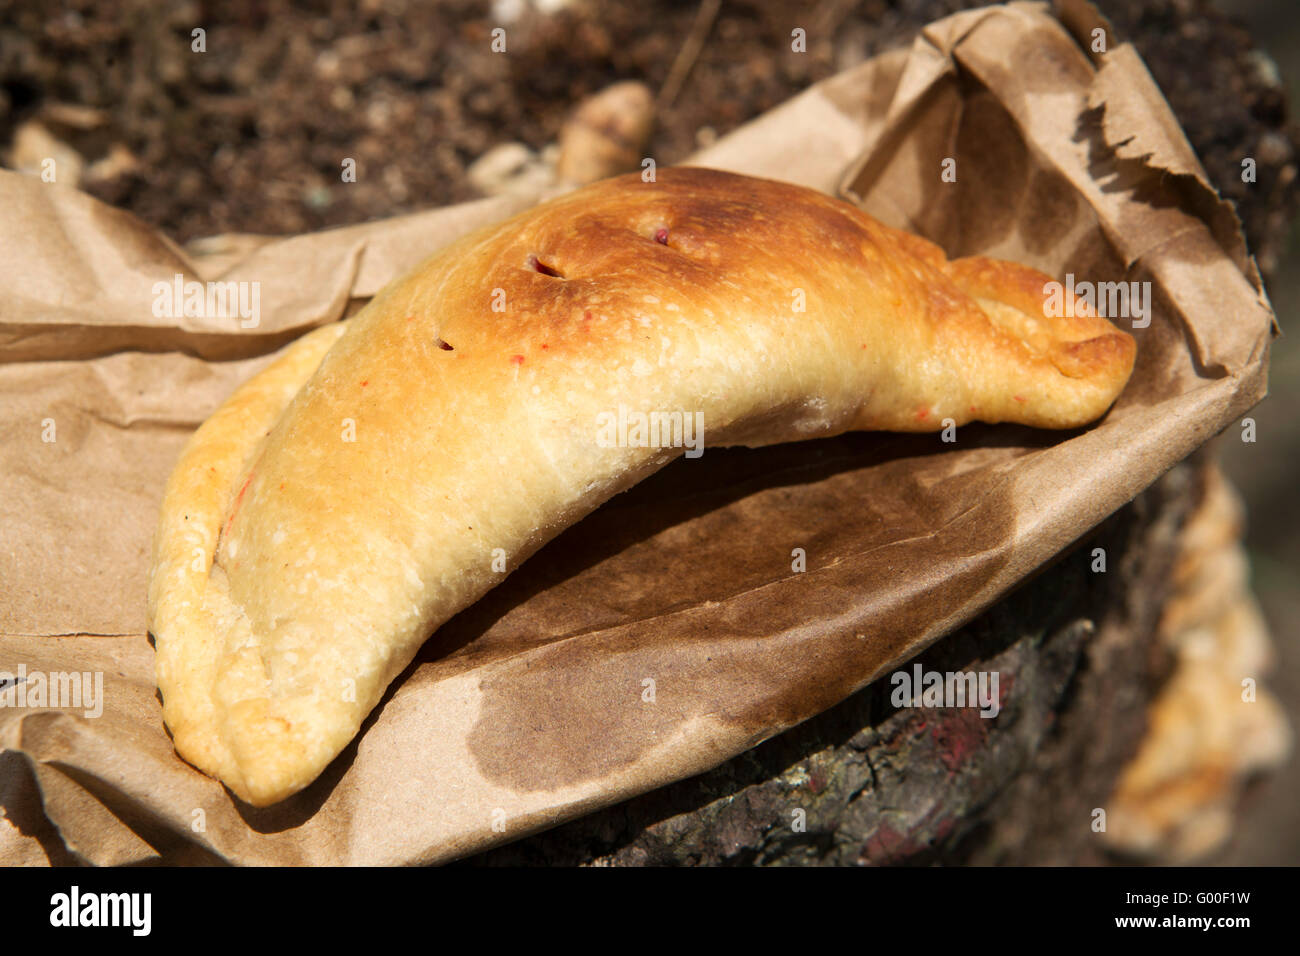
[(673, 628)]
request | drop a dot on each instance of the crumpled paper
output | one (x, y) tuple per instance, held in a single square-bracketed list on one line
[(718, 603)]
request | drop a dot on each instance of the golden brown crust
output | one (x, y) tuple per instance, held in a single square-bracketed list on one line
[(358, 504), (196, 506)]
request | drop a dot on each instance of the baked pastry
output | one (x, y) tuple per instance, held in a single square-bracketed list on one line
[(348, 500)]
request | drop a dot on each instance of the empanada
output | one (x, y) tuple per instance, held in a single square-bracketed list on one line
[(351, 498)]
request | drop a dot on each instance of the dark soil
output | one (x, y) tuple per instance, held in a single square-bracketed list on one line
[(250, 135)]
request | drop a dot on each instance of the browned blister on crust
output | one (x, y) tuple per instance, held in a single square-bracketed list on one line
[(351, 498)]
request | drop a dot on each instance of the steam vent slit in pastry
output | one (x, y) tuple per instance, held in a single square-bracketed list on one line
[(346, 501)]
